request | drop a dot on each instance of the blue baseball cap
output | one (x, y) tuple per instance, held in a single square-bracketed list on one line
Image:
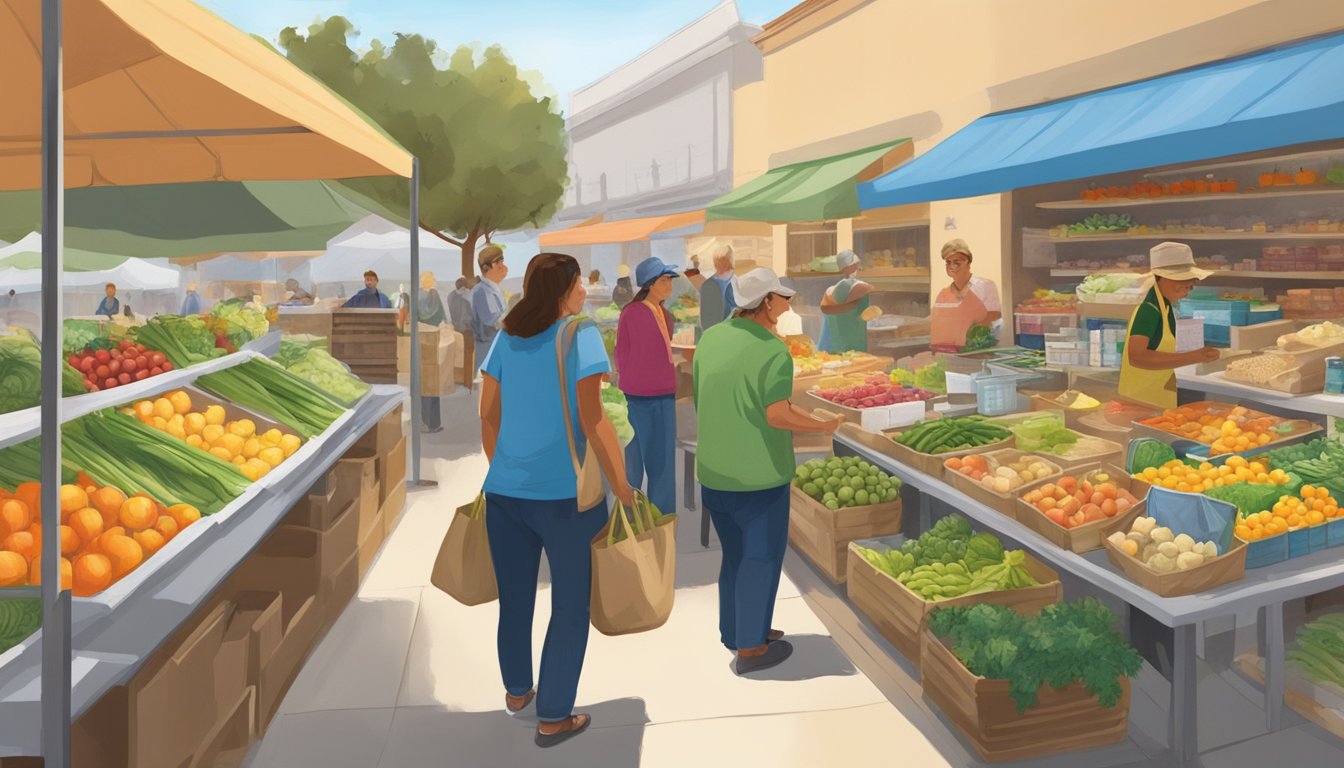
[(650, 270)]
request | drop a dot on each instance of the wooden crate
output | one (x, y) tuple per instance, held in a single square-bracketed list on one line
[(823, 535), (901, 615), (931, 464), (1087, 536), (1064, 720), (376, 373), (1223, 569), (1000, 502)]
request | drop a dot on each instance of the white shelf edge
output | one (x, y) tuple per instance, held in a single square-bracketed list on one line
[(1222, 236), (1139, 202)]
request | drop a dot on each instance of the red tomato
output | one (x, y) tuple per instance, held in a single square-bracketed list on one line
[(155, 371), (141, 361), (115, 353), (109, 383), (74, 361), (114, 367), (124, 378), (141, 374), (167, 366), (125, 343), (88, 364), (94, 387), (158, 359), (128, 364), (103, 355), (103, 371)]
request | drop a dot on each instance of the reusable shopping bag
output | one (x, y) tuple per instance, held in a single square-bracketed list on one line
[(634, 569), (463, 568)]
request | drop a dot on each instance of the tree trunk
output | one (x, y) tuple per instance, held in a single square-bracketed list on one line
[(469, 253)]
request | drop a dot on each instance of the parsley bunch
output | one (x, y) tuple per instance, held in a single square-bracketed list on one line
[(1064, 644)]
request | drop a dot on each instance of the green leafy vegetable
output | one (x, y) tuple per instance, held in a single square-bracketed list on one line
[(329, 375), (1320, 650), (271, 390), (932, 377), (77, 335), (18, 619), (21, 374), (185, 341)]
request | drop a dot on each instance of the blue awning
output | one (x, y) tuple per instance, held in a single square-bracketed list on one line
[(1290, 95)]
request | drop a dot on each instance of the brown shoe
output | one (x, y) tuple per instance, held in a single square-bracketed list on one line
[(517, 704), (762, 657), (565, 729), (774, 636)]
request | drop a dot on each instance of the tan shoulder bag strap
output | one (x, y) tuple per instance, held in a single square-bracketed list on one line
[(562, 342)]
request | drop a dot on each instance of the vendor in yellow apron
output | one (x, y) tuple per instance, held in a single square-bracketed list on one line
[(1148, 365)]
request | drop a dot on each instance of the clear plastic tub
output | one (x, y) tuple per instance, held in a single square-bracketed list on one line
[(996, 395)]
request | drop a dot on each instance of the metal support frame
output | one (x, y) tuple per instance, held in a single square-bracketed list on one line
[(55, 601), (416, 402)]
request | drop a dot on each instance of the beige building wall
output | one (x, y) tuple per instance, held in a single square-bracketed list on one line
[(843, 74)]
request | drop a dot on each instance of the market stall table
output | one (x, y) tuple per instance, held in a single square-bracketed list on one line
[(1215, 385), (1266, 589)]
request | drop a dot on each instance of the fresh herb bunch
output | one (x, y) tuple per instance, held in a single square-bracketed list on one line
[(1064, 644), (944, 543)]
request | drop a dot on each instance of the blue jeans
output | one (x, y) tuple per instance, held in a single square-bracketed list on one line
[(653, 451), (519, 529), (754, 529)]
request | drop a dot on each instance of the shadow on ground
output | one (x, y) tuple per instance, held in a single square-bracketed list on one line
[(813, 656)]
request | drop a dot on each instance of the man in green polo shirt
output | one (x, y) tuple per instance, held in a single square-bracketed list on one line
[(744, 456)]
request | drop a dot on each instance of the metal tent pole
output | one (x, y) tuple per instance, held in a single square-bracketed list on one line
[(416, 402), (55, 601)]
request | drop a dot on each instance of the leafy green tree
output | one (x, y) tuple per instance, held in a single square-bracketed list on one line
[(492, 153)]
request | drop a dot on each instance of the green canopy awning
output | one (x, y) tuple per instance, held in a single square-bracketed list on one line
[(817, 190), (172, 220), (27, 254)]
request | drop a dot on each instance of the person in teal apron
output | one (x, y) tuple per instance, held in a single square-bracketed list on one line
[(846, 307)]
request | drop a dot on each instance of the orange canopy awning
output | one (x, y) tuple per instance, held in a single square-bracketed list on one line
[(624, 231), (163, 91)]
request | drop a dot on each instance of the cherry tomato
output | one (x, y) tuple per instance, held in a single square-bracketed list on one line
[(125, 344), (128, 364), (155, 371), (94, 387), (157, 358), (115, 353), (110, 383), (88, 364), (141, 361), (73, 361), (103, 371), (124, 378), (141, 374), (103, 355), (114, 367), (167, 366)]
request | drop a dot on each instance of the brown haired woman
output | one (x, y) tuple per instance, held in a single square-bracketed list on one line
[(531, 490)]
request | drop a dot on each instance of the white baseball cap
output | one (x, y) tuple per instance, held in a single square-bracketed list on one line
[(754, 286), (846, 259), (1175, 261)]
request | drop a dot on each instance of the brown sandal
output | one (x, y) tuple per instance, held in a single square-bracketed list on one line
[(574, 725), (516, 704)]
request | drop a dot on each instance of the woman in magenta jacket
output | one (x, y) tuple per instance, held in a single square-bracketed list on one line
[(648, 377)]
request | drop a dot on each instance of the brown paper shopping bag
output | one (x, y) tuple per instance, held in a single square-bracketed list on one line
[(463, 568), (634, 570)]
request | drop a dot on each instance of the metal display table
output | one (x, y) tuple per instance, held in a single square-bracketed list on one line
[(108, 652), (1215, 384), (1266, 589)]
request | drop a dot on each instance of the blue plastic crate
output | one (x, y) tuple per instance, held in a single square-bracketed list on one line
[(1217, 335), (1216, 311), (1299, 542), (1031, 340), (1267, 551), (1100, 323), (1334, 533), (1259, 316)]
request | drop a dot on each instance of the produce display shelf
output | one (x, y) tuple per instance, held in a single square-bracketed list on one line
[(1215, 384), (1265, 588), (1204, 236), (18, 426), (1239, 273), (110, 649), (1240, 197)]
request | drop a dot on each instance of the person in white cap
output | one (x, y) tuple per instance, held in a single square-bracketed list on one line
[(847, 310), (1148, 367), (743, 378), (623, 293)]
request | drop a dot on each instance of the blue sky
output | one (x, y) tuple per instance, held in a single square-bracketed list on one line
[(569, 43)]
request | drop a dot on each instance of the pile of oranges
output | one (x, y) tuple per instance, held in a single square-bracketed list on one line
[(1231, 431), (1312, 506), (237, 442), (1176, 475), (104, 534)]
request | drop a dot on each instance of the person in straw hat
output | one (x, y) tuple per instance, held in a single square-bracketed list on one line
[(1148, 367)]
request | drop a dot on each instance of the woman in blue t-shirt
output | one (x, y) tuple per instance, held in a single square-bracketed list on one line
[(531, 490)]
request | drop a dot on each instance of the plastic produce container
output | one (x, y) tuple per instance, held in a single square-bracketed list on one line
[(996, 395), (1217, 311)]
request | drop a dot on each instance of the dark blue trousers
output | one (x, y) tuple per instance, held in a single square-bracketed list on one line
[(519, 530), (653, 451), (754, 529)]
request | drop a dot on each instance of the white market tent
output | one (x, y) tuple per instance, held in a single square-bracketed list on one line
[(131, 274), (374, 243)]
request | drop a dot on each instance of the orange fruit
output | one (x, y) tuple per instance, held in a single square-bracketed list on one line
[(138, 513), (35, 573), (181, 402), (107, 501), (87, 524), (14, 516), (23, 544), (184, 515), (124, 554), (166, 526), (69, 540), (91, 575), (13, 569), (73, 498), (108, 535), (150, 541)]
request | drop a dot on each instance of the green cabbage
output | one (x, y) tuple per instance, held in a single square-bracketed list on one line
[(1107, 283), (21, 374), (330, 375), (78, 335)]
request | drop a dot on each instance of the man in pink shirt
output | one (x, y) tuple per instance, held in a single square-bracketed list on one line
[(647, 375)]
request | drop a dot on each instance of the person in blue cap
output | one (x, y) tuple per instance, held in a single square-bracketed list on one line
[(845, 307), (648, 377)]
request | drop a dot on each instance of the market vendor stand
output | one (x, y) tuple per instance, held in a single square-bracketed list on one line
[(1266, 589)]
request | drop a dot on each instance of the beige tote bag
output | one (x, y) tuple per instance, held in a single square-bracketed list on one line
[(591, 490), (464, 568), (634, 578)]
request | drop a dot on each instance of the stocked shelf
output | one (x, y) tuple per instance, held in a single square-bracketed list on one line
[(1241, 197), (1215, 384), (1225, 236), (1245, 274), (108, 649)]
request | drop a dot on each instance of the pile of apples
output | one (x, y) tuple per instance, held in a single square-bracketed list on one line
[(876, 391), (118, 366)]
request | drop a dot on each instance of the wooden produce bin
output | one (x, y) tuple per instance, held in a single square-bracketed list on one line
[(1224, 569), (1063, 720), (901, 615), (304, 320), (863, 363), (1087, 536), (1000, 502), (931, 464), (366, 340), (823, 535)]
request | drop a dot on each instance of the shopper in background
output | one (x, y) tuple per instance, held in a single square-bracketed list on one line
[(295, 294), (531, 489), (430, 310), (459, 313), (487, 298), (649, 380), (968, 301), (191, 303), (717, 299), (595, 279), (369, 297), (1148, 367), (743, 380), (693, 275), (846, 309), (622, 293), (110, 305)]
